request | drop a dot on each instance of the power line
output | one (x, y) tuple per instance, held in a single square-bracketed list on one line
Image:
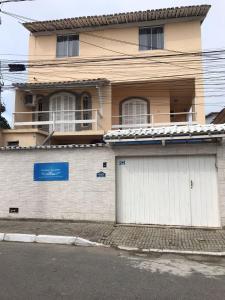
[(18, 17), (9, 1), (2, 2), (125, 56), (201, 54), (114, 51)]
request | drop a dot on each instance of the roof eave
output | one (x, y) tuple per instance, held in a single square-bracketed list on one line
[(59, 85), (115, 26), (109, 21)]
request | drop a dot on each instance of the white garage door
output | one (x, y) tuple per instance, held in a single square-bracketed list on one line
[(168, 191)]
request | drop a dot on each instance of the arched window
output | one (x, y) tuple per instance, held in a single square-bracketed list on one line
[(62, 108), (134, 112)]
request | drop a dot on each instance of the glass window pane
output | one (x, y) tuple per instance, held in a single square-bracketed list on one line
[(145, 38), (157, 38), (73, 45), (160, 38), (67, 45), (154, 38), (61, 46), (151, 38)]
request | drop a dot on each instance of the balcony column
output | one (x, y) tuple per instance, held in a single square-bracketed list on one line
[(199, 101), (160, 108), (105, 106)]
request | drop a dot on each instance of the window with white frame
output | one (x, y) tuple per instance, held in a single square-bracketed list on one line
[(151, 38), (134, 112), (62, 110), (67, 45)]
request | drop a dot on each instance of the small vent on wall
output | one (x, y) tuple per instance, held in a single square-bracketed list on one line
[(13, 210)]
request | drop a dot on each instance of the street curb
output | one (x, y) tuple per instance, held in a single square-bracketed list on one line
[(2, 236), (77, 241), (55, 239), (83, 242), (169, 251), (17, 237), (48, 239)]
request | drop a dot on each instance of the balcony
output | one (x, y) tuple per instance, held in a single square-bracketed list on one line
[(68, 121), (64, 121), (153, 120)]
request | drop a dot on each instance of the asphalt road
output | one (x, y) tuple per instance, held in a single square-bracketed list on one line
[(34, 271)]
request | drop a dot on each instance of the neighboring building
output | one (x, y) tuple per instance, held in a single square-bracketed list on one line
[(219, 118), (94, 74), (121, 79), (210, 117), (216, 117)]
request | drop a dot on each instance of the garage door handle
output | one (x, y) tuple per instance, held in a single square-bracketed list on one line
[(192, 184)]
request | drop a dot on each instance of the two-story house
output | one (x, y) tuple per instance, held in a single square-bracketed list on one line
[(110, 125)]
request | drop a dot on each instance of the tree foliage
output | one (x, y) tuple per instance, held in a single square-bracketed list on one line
[(4, 123)]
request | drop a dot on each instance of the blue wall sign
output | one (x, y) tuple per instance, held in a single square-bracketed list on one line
[(101, 174), (58, 171)]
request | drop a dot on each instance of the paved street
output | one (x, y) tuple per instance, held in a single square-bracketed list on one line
[(35, 271)]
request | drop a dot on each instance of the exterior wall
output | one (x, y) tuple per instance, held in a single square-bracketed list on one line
[(25, 137), (20, 107), (183, 36), (158, 96), (105, 94), (83, 197), (180, 36), (159, 102), (221, 180)]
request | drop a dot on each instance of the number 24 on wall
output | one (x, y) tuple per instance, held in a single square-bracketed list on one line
[(122, 162)]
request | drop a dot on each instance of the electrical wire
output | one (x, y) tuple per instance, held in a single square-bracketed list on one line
[(125, 56)]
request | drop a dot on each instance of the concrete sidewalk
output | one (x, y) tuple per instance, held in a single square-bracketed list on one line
[(91, 231), (136, 237), (142, 237)]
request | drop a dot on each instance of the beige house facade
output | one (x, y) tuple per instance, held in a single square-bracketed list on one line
[(120, 71)]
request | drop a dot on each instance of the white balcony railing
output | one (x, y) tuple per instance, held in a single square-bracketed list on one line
[(153, 120), (60, 121), (90, 119)]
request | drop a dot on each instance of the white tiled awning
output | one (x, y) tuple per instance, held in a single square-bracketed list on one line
[(162, 133)]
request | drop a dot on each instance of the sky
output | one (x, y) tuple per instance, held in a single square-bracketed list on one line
[(14, 37)]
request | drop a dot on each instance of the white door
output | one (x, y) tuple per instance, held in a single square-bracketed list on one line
[(167, 191), (63, 106), (204, 198)]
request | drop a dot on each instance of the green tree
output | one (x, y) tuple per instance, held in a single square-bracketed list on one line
[(3, 122)]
